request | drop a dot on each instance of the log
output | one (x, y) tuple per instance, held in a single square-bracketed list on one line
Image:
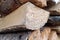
[(36, 35), (7, 6), (54, 13), (14, 36), (55, 10), (21, 36), (39, 3), (59, 37), (45, 33), (53, 36), (23, 1), (51, 3), (28, 15), (53, 21), (56, 28)]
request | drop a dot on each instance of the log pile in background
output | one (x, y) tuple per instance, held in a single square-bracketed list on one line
[(23, 15)]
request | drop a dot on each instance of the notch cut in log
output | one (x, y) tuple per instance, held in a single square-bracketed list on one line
[(29, 15)]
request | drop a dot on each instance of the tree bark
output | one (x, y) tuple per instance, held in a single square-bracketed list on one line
[(53, 21), (21, 36), (7, 6)]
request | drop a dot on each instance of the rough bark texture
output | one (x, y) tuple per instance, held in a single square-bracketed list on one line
[(15, 36), (21, 36), (54, 21), (8, 6)]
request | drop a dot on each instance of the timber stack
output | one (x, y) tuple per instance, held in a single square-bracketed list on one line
[(29, 19)]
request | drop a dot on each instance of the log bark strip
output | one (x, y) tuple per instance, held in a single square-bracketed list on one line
[(29, 15), (21, 36), (54, 21), (15, 36), (54, 13), (7, 6)]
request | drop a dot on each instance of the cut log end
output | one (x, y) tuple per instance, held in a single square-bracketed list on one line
[(28, 14)]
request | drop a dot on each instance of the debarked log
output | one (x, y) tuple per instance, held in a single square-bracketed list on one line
[(28, 14)]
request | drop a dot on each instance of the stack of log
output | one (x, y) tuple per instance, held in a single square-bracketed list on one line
[(29, 19)]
